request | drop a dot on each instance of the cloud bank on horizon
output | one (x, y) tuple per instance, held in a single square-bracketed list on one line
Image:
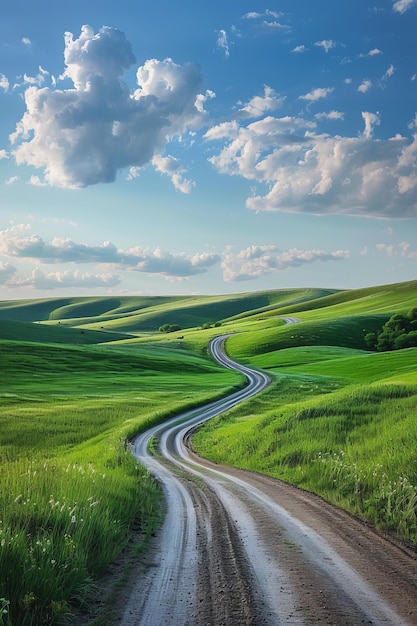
[(327, 138)]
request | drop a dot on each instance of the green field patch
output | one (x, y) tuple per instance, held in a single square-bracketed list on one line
[(70, 490)]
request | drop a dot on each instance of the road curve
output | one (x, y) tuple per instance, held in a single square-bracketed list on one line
[(237, 548)]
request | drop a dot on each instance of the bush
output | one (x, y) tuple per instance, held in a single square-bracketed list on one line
[(169, 328)]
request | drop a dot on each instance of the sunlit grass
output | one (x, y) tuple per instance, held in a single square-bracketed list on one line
[(70, 489), (353, 444), (338, 420)]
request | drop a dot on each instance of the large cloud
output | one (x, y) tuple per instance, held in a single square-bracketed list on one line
[(84, 134), (18, 242), (256, 261), (306, 171)]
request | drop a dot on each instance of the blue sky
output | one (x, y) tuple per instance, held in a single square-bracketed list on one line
[(206, 148)]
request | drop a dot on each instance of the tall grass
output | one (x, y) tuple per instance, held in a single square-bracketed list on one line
[(70, 489), (355, 446), (61, 525)]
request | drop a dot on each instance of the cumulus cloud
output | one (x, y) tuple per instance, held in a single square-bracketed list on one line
[(326, 44), (26, 41), (256, 261), (19, 242), (317, 94), (307, 171), (365, 86), (258, 105), (83, 135), (401, 6), (172, 167)]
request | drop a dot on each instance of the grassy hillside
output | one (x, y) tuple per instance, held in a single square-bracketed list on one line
[(146, 314), (80, 376), (37, 332), (71, 493)]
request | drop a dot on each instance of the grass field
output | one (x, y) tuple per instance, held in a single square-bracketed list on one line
[(70, 491), (81, 376)]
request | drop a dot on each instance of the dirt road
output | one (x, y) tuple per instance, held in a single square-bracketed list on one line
[(238, 548)]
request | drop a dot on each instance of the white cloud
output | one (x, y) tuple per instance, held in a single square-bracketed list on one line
[(173, 168), (36, 181), (413, 123), (401, 6), (317, 94), (19, 242), (26, 41), (258, 105), (365, 86), (11, 180), (267, 21), (172, 266), (326, 44), (372, 53), (4, 82), (331, 115), (390, 71), (4, 154), (64, 280), (222, 42), (299, 49), (256, 261), (274, 25), (6, 272), (305, 171), (39, 79), (371, 120), (253, 15), (83, 135), (402, 249)]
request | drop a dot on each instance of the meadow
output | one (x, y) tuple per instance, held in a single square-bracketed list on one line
[(81, 376), (71, 493)]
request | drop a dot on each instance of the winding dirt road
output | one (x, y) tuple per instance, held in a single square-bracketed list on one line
[(238, 548)]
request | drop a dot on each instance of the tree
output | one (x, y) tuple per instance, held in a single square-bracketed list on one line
[(169, 328), (207, 325), (400, 331)]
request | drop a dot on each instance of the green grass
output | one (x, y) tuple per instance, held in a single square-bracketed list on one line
[(43, 333), (343, 425), (70, 489), (74, 388)]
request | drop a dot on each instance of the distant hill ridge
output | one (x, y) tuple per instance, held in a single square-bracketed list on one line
[(103, 319)]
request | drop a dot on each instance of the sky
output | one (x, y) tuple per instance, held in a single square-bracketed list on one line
[(189, 147)]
